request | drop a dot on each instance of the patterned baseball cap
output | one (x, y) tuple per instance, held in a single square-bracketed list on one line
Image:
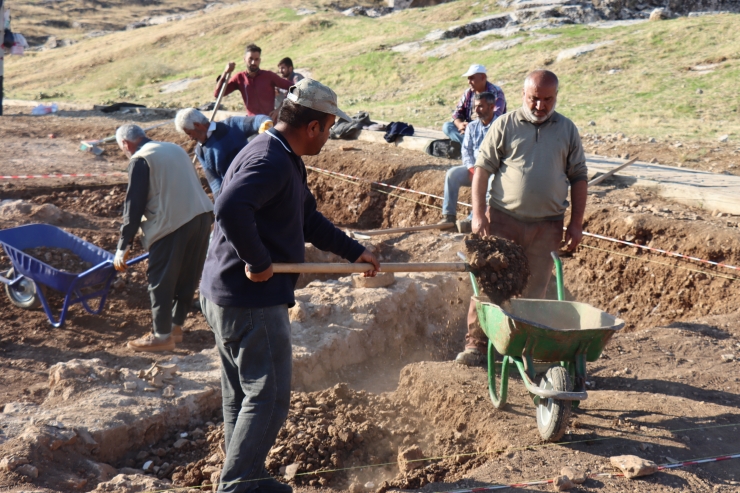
[(313, 94)]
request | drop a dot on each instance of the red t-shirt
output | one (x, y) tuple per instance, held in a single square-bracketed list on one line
[(258, 92)]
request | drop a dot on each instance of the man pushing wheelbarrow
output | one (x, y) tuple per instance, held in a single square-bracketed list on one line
[(177, 215), (534, 154)]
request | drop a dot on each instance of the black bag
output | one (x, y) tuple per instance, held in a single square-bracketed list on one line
[(445, 148), (8, 39)]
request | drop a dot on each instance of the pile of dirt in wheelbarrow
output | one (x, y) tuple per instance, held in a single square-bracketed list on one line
[(500, 266), (353, 436), (59, 258)]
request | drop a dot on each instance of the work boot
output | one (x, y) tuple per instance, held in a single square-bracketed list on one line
[(464, 226), (272, 485), (449, 218), (152, 344), (471, 357), (176, 333)]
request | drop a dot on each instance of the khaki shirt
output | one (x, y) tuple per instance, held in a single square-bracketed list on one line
[(532, 165)]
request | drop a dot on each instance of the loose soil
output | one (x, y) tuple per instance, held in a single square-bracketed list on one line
[(661, 390), (502, 270), (61, 259)]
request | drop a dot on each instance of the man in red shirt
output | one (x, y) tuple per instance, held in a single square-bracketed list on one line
[(256, 86)]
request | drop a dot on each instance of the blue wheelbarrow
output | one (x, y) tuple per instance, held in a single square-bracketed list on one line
[(27, 281)]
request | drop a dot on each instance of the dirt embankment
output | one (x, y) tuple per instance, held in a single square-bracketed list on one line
[(648, 289), (643, 288)]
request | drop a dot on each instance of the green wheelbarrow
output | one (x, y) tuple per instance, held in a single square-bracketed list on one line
[(549, 341)]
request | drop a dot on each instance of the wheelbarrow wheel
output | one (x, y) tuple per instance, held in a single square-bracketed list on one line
[(553, 414), (23, 294)]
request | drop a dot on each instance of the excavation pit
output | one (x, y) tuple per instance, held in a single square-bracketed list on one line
[(667, 307)]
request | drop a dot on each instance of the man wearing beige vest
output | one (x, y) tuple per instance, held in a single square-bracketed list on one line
[(534, 155), (177, 215)]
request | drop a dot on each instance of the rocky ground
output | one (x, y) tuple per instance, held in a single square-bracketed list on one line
[(665, 388)]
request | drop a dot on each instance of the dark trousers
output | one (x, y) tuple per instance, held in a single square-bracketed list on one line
[(256, 370), (537, 239), (1, 94), (175, 265)]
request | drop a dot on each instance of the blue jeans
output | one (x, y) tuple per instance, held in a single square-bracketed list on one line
[(256, 367), (452, 132), (456, 177)]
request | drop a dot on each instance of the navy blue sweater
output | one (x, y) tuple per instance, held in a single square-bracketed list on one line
[(265, 213), (226, 141)]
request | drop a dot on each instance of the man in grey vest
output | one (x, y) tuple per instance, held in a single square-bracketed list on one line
[(177, 215)]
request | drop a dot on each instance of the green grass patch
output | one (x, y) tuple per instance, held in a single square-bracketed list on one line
[(640, 84)]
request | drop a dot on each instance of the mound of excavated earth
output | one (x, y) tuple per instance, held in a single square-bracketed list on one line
[(331, 434)]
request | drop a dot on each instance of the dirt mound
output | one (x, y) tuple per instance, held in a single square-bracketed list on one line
[(59, 258), (17, 212), (105, 202), (331, 436), (501, 266)]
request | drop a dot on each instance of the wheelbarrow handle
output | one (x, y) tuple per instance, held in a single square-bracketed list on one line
[(10, 282), (133, 261), (138, 259)]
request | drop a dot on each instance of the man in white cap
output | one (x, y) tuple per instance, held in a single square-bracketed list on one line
[(265, 214), (463, 114)]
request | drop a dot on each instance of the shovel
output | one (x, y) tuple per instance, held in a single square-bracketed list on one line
[(334, 268), (225, 80)]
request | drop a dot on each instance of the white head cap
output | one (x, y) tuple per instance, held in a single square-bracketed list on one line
[(475, 69)]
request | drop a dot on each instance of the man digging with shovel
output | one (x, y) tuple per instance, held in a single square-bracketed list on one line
[(264, 215)]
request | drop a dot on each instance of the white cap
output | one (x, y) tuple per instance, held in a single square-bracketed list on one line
[(475, 69)]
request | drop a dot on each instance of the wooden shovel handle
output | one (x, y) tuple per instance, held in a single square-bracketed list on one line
[(411, 229), (333, 268)]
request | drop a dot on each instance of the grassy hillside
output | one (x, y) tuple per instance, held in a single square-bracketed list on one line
[(639, 84)]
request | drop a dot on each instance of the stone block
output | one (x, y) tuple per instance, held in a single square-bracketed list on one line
[(633, 466), (381, 280)]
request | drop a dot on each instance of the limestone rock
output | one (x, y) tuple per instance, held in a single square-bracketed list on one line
[(381, 280), (11, 462), (215, 479), (133, 483), (103, 472), (297, 313), (168, 392), (562, 483), (181, 443), (81, 369), (581, 50), (410, 458), (575, 475), (633, 466), (658, 14), (291, 471), (27, 470)]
